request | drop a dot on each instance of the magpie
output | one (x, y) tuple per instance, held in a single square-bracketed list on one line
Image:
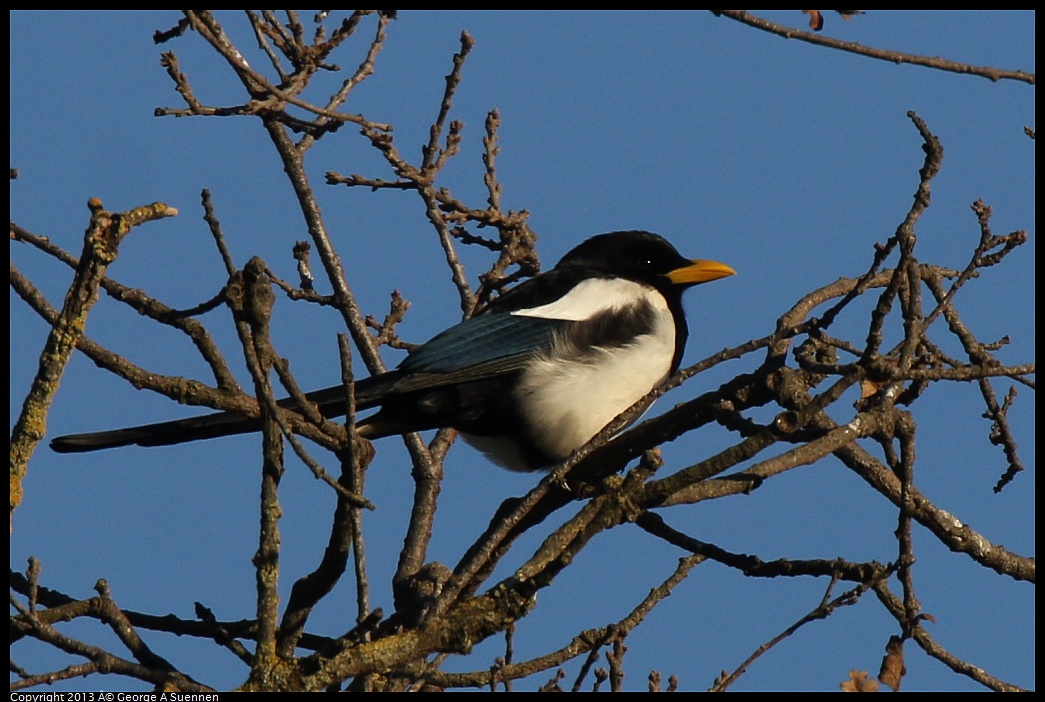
[(529, 379)]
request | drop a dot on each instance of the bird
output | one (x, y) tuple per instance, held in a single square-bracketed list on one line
[(530, 378)]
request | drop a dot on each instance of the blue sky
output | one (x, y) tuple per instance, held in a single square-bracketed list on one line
[(786, 161)]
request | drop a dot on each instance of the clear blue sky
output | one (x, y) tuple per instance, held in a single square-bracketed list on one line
[(785, 160)]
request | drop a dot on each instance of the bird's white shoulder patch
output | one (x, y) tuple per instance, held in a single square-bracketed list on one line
[(593, 296)]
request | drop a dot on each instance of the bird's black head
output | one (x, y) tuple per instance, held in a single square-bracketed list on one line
[(642, 256)]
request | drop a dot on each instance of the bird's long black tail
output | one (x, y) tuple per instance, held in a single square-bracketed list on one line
[(331, 403)]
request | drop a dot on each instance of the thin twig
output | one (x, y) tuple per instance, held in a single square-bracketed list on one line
[(994, 74)]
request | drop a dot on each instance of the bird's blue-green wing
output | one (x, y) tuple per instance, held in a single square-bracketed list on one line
[(480, 347)]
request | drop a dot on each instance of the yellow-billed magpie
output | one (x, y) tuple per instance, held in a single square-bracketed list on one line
[(528, 380)]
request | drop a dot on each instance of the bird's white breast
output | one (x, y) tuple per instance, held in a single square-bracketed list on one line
[(569, 400)]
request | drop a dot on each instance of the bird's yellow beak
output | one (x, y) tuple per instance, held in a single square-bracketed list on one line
[(700, 271)]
